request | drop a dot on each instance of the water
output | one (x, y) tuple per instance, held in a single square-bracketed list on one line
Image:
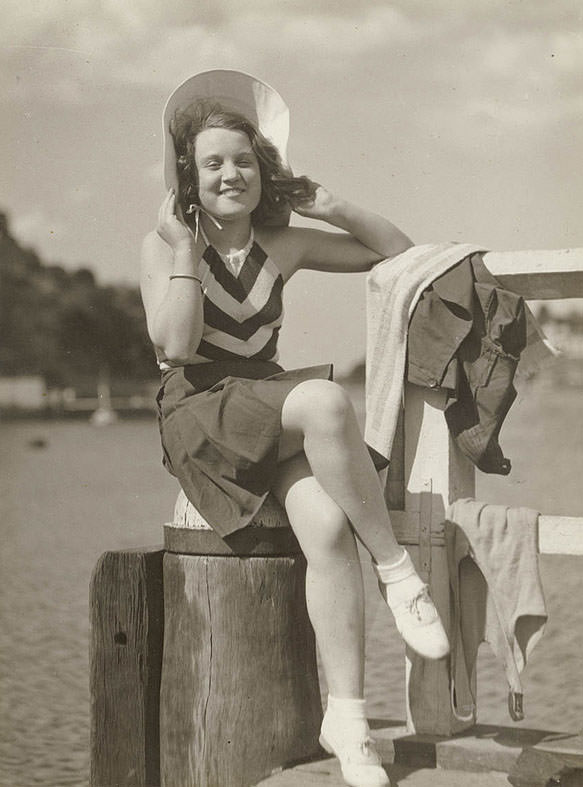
[(90, 490)]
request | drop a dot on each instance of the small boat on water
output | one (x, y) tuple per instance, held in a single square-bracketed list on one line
[(104, 415)]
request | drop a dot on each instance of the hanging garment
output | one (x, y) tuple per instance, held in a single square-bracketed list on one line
[(466, 335), (497, 596), (394, 288)]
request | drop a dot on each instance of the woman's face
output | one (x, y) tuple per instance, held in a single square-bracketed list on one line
[(229, 179)]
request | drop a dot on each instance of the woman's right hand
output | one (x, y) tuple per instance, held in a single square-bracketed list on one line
[(170, 228)]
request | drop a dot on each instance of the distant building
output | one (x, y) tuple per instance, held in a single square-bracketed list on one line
[(23, 393)]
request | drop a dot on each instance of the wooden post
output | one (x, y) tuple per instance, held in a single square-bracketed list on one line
[(437, 474), (126, 603), (239, 694)]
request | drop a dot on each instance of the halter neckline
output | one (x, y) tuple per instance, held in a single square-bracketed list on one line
[(236, 258)]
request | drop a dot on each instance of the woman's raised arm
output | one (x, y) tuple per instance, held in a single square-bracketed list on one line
[(367, 237), (174, 311)]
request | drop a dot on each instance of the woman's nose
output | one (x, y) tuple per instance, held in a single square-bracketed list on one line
[(230, 171)]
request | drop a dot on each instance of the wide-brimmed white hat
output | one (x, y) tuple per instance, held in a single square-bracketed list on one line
[(235, 91)]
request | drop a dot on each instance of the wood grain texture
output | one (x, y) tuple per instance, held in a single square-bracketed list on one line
[(560, 535), (395, 484), (247, 542), (540, 274), (126, 608), (437, 474), (239, 694)]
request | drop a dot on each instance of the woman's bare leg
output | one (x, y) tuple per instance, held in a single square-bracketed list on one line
[(318, 418), (335, 599), (318, 415), (334, 588)]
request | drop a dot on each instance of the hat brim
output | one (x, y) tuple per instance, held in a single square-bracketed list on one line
[(236, 91)]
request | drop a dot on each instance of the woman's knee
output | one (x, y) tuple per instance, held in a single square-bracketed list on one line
[(333, 535), (326, 535), (321, 526), (317, 405)]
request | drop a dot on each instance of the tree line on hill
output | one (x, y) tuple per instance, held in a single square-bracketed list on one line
[(63, 325)]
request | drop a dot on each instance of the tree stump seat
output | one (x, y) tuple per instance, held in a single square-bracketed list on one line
[(269, 533), (239, 692), (203, 659)]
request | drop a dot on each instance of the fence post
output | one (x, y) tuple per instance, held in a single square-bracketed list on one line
[(239, 694), (437, 473), (126, 608)]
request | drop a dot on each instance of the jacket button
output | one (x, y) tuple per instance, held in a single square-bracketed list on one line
[(433, 383)]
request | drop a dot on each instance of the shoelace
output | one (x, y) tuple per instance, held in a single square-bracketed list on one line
[(364, 754), (413, 605)]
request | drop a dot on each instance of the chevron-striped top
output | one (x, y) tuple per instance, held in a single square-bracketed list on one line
[(243, 307)]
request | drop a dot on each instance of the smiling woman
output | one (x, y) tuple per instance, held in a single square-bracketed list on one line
[(235, 426)]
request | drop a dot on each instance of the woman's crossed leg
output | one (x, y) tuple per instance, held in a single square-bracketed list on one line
[(334, 587), (333, 491)]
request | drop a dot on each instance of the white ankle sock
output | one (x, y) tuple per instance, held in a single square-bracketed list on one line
[(349, 707), (346, 714), (401, 580)]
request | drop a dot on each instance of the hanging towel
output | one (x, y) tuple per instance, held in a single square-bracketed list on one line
[(497, 596), (394, 287)]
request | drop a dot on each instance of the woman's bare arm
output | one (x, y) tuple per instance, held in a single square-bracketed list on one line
[(174, 310), (367, 237)]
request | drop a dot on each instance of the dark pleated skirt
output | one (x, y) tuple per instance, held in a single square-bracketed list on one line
[(220, 424)]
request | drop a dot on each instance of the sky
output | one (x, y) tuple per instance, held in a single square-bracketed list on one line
[(457, 119)]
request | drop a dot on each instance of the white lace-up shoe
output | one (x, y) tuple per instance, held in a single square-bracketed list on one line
[(419, 624), (359, 761)]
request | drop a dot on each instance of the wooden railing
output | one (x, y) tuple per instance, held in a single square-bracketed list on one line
[(428, 472)]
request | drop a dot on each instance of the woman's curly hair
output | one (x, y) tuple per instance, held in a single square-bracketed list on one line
[(279, 189)]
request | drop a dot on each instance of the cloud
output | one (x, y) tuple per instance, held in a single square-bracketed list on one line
[(351, 36), (325, 41), (466, 68), (117, 37), (525, 61), (505, 78)]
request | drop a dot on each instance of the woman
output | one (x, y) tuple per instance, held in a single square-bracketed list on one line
[(234, 425)]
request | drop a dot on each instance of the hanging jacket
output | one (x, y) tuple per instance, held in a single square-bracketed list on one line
[(466, 335), (393, 288)]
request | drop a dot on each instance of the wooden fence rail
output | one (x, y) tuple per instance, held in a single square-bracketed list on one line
[(428, 473)]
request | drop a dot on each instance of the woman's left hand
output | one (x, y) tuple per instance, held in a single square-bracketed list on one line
[(320, 206)]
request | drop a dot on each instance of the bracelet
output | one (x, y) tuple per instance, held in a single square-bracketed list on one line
[(184, 276)]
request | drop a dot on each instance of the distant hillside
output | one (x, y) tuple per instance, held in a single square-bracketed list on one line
[(65, 326)]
